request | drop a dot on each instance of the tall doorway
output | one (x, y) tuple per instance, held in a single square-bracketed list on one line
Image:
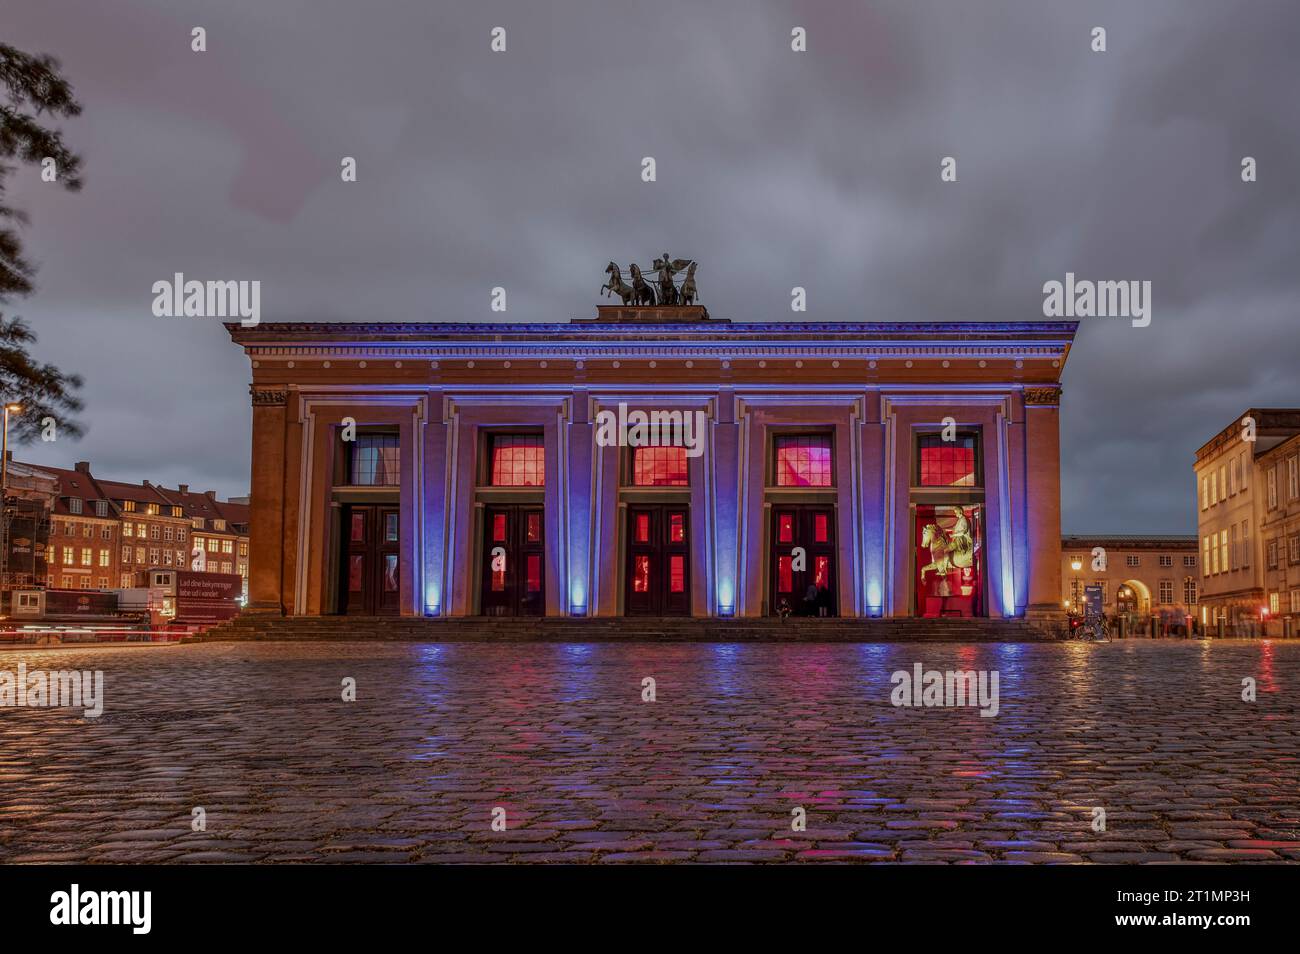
[(801, 568), (370, 574), (658, 560), (514, 561)]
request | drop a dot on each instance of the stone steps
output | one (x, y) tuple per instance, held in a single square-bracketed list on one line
[(620, 629)]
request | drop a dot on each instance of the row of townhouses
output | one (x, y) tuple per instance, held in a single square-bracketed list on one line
[(68, 529)]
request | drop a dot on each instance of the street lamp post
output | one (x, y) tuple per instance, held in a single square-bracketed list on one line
[(1076, 565), (4, 497)]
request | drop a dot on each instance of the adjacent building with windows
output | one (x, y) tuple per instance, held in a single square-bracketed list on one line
[(107, 534), (835, 468), (1248, 507), (1141, 577)]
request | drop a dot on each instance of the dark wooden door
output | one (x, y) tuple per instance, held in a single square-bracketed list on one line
[(801, 569), (514, 561), (658, 560), (370, 576)]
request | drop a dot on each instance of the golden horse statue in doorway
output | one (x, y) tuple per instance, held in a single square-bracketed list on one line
[(948, 550)]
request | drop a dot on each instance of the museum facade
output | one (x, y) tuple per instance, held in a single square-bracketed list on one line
[(656, 461)]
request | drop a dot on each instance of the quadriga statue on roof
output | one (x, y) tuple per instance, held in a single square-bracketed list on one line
[(669, 289)]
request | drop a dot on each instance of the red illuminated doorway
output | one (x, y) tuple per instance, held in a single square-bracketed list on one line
[(514, 561), (802, 583), (658, 560), (370, 577), (949, 561)]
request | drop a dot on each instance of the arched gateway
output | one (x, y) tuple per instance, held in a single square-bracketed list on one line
[(654, 460)]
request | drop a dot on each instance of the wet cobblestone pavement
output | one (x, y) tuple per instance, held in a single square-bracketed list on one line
[(1156, 733)]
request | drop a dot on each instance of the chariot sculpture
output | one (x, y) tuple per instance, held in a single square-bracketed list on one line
[(668, 289)]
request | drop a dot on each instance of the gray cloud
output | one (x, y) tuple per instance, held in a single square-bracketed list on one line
[(775, 169)]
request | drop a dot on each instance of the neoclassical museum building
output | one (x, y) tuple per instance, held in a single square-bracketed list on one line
[(816, 468)]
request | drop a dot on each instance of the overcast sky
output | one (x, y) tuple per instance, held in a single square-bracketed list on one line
[(775, 169)]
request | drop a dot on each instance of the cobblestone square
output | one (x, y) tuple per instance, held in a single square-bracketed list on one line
[(259, 737)]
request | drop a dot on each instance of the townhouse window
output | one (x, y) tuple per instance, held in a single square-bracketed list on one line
[(86, 556), (139, 554), (802, 460), (1295, 601), (180, 557), (227, 546), (103, 558), (516, 460), (1245, 543), (213, 544), (1271, 549), (953, 463), (1214, 488), (1133, 560), (1234, 474), (197, 523), (1166, 560), (243, 549), (128, 529), (177, 512), (1205, 492), (153, 556), (1292, 478), (1245, 469), (1205, 551), (128, 506), (1189, 560), (101, 508), (374, 460), (154, 532), (167, 557), (167, 533), (225, 566), (1295, 550), (1223, 482), (218, 525), (1271, 480), (126, 554), (87, 531), (1189, 590), (1236, 549), (1223, 550), (151, 509), (1166, 592), (103, 582), (106, 533), (659, 467), (180, 535), (1273, 603), (74, 505), (139, 530), (126, 581)]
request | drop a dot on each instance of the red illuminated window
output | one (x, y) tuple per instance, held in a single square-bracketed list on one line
[(677, 573), (947, 463), (785, 528), (643, 528), (641, 574), (803, 460), (822, 571), (498, 528), (518, 460), (533, 573), (677, 528), (533, 528), (784, 575), (821, 528), (659, 467), (358, 526)]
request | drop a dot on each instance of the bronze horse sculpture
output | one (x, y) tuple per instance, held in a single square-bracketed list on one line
[(643, 293), (615, 285)]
